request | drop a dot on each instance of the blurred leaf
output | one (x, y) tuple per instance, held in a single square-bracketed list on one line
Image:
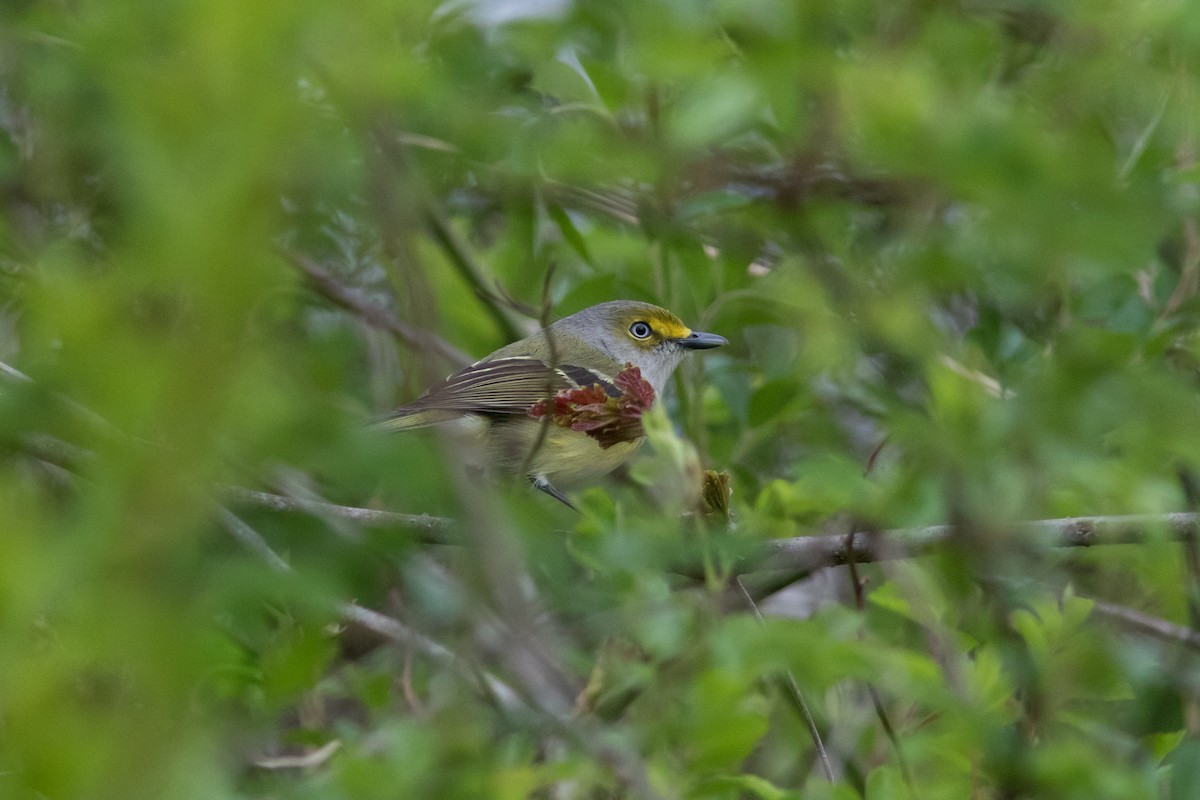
[(963, 230)]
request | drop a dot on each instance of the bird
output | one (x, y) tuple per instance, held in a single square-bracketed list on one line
[(562, 407)]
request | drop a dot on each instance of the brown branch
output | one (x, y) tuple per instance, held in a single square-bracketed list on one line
[(333, 290)]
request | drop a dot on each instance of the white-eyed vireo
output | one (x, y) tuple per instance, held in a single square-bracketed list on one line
[(563, 406)]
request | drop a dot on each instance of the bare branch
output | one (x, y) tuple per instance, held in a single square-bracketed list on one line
[(363, 516), (14, 374), (470, 271), (551, 345), (1189, 271), (876, 700), (626, 766), (381, 624), (251, 539), (11, 373), (396, 631), (336, 292), (308, 760), (793, 689), (533, 642), (1152, 626), (805, 554), (399, 214)]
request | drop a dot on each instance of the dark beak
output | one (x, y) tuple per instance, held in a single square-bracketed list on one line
[(701, 341)]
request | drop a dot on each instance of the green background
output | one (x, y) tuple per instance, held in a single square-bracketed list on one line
[(966, 231)]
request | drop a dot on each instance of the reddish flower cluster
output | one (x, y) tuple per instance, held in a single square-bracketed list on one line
[(608, 420)]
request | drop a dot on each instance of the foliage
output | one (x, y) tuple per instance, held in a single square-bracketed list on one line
[(966, 232)]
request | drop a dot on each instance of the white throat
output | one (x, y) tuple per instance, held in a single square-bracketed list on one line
[(657, 367)]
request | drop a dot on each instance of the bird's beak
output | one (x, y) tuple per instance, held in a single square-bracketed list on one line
[(701, 341)]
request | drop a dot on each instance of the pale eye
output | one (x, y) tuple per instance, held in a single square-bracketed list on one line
[(639, 330)]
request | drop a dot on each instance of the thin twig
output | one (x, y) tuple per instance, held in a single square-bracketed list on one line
[(548, 417), (799, 556), (1191, 547), (803, 555), (470, 271), (806, 554), (876, 701), (1146, 624), (396, 631), (380, 624), (251, 539), (532, 641), (406, 685), (380, 317), (1191, 560), (794, 689), (621, 208), (627, 767), (62, 454), (363, 516), (11, 373), (310, 760), (608, 748), (1189, 270)]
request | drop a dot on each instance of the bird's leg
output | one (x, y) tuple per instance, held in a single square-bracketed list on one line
[(546, 486)]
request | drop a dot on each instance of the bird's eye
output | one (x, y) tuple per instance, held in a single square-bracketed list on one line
[(639, 330)]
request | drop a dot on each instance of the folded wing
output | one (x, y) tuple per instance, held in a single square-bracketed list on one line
[(496, 386)]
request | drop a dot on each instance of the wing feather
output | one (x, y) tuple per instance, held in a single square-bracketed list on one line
[(495, 386)]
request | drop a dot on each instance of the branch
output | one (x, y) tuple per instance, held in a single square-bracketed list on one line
[(11, 373), (14, 374), (333, 290), (801, 555), (363, 516), (251, 539), (380, 624), (628, 768), (797, 696), (806, 554), (399, 213), (876, 700), (1151, 626), (462, 260), (310, 760), (396, 631)]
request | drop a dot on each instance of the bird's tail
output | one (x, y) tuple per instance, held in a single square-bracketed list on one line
[(404, 419)]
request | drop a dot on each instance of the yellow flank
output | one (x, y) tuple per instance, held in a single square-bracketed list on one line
[(565, 457)]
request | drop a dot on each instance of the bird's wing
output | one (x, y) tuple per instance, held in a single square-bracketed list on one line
[(495, 386)]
